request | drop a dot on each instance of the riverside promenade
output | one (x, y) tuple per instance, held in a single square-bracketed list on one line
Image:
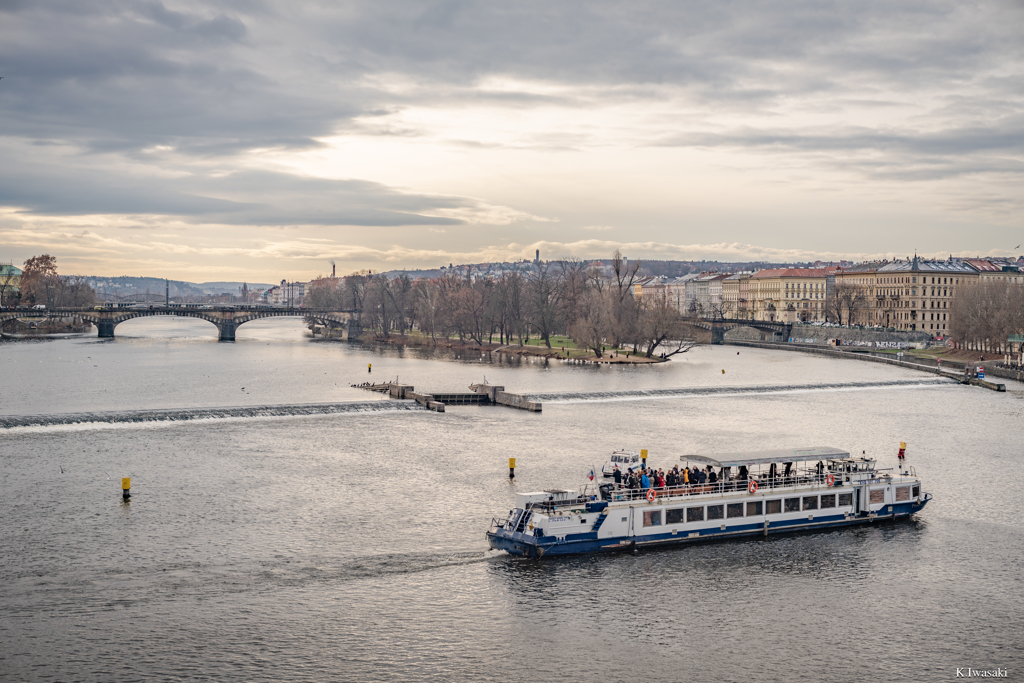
[(956, 372)]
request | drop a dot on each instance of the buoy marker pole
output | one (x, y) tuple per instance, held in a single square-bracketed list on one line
[(126, 486), (511, 468)]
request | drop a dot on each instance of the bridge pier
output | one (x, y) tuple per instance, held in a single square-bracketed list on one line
[(105, 329), (227, 330), (717, 334)]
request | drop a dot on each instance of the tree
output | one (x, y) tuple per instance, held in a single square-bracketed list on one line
[(662, 325), (544, 291), (39, 280), (846, 301)]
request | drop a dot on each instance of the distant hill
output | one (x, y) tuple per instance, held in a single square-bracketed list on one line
[(127, 286)]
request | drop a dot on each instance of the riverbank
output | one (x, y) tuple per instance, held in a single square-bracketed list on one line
[(562, 349), (947, 368)]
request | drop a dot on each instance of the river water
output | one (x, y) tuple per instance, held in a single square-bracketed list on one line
[(267, 540)]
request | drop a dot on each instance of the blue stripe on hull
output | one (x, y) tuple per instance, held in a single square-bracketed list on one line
[(529, 546)]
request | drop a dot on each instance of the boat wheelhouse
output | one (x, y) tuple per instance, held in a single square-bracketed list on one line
[(622, 460), (749, 494)]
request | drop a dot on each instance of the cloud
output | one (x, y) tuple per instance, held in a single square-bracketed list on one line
[(203, 113)]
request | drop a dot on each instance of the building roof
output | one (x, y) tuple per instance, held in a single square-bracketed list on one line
[(7, 269), (791, 272), (983, 265), (917, 265)]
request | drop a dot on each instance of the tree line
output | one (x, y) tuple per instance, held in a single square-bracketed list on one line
[(563, 297), (41, 284), (984, 314)]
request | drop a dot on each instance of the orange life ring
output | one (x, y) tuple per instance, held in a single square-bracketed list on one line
[(830, 479), (752, 486), (651, 495)]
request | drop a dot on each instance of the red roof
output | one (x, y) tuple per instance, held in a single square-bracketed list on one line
[(794, 272), (982, 265)]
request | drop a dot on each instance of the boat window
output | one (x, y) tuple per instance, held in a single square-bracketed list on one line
[(734, 510), (674, 516), (845, 499), (902, 493), (695, 514), (754, 508), (877, 496), (792, 505), (773, 507), (810, 502), (652, 517), (916, 492), (828, 501), (716, 511)]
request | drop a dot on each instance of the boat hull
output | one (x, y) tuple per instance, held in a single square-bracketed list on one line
[(527, 545)]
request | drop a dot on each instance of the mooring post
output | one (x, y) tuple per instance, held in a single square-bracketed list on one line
[(126, 485), (511, 468)]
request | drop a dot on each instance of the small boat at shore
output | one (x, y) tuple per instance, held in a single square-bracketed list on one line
[(754, 494)]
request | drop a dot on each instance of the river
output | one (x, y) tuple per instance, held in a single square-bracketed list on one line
[(265, 543)]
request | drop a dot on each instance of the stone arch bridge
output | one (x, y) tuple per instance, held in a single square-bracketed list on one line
[(719, 327), (226, 318)]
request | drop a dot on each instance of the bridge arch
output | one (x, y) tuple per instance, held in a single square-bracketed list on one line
[(226, 319)]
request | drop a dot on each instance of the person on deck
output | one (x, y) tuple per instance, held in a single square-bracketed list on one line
[(645, 481), (618, 477)]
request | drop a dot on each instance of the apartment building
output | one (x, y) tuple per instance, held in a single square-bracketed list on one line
[(789, 294)]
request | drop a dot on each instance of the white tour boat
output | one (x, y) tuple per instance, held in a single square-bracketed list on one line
[(754, 493), (621, 460)]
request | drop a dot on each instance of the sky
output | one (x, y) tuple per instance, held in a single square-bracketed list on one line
[(260, 140)]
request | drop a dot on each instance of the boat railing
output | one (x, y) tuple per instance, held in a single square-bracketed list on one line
[(720, 487)]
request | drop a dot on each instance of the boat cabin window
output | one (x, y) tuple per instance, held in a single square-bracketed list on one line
[(716, 511), (810, 502), (845, 499), (916, 492), (674, 516), (792, 505), (754, 508), (695, 514), (652, 517), (734, 510), (773, 507), (828, 501), (902, 493), (877, 496)]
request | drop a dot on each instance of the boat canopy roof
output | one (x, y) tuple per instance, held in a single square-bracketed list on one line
[(767, 457)]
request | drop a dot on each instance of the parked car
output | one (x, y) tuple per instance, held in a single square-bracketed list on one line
[(39, 307)]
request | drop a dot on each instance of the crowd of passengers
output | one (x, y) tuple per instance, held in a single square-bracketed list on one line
[(641, 479)]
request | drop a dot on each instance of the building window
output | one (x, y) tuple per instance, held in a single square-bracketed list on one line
[(773, 507), (828, 501), (810, 502), (716, 512), (754, 508), (734, 510), (674, 516), (695, 514), (876, 496), (792, 505), (845, 499)]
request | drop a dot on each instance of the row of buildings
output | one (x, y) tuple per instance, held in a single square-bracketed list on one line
[(912, 294)]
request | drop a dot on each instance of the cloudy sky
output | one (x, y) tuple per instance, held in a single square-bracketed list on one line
[(256, 140)]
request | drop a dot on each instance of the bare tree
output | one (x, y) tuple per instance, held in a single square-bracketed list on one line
[(544, 291)]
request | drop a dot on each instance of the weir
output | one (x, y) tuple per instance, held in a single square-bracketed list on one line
[(482, 394)]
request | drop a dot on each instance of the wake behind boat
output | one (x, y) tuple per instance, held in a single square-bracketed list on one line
[(741, 494)]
